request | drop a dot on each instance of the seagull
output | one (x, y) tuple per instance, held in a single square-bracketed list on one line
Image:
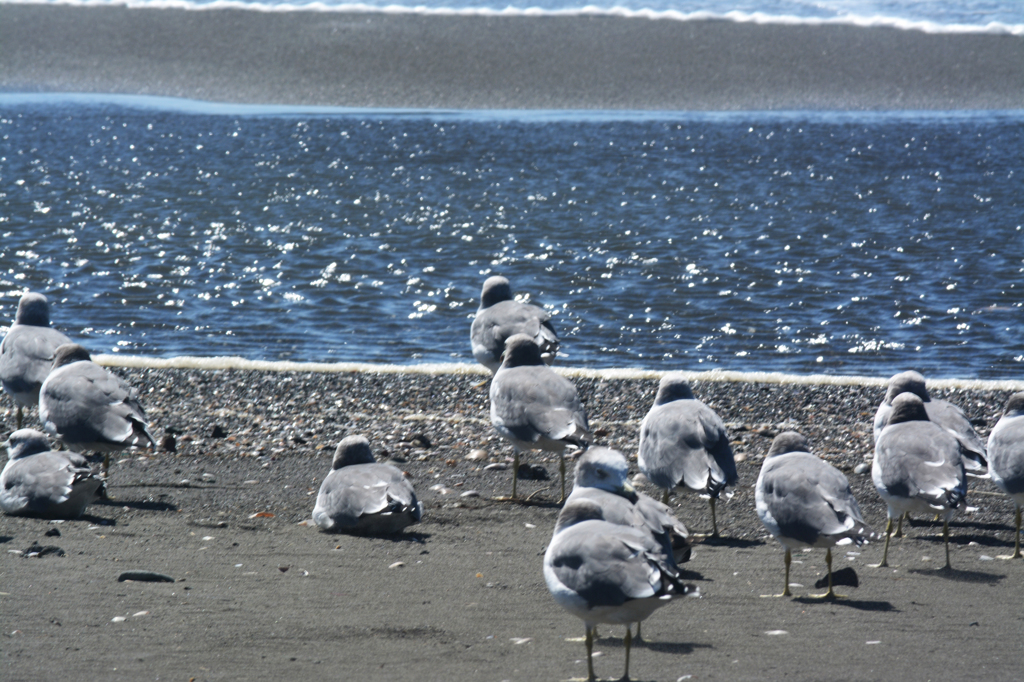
[(941, 412), (1006, 458), (602, 491), (39, 482), (501, 316), (918, 467), (26, 353), (683, 443), (806, 502), (533, 407), (602, 572), (363, 496), (88, 408)]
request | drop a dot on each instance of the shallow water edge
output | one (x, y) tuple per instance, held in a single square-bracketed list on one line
[(454, 368)]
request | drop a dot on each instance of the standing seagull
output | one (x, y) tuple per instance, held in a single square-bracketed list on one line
[(363, 496), (533, 407), (501, 316), (1006, 458), (601, 572), (26, 353), (918, 467), (806, 502), (683, 443), (88, 408), (941, 412), (39, 482)]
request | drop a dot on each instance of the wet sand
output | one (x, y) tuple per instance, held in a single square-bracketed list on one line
[(461, 596), (414, 61)]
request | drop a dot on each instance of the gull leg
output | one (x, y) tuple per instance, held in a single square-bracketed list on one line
[(789, 560), (831, 593), (20, 416), (515, 471), (664, 498), (561, 473), (899, 524), (714, 521), (106, 465), (1016, 541), (885, 552), (945, 539), (637, 637), (627, 642), (589, 641), (785, 590)]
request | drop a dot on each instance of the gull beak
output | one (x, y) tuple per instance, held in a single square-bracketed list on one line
[(628, 491)]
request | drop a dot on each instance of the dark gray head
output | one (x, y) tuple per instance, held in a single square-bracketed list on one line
[(907, 382), (521, 350), (1015, 405), (68, 353), (673, 387), (907, 407), (496, 289), (25, 442), (788, 441), (578, 511), (353, 450), (33, 310)]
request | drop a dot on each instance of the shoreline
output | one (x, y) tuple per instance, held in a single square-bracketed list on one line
[(381, 60), (220, 363)]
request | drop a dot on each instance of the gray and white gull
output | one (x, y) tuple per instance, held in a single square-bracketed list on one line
[(500, 316), (941, 412), (1006, 458), (918, 467), (26, 353), (602, 491), (535, 408), (684, 444), (603, 572), (363, 496), (38, 481), (88, 408), (806, 502)]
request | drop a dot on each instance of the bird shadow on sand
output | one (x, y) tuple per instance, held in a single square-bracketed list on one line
[(858, 604), (736, 543), (614, 640), (415, 538), (97, 520), (5, 538), (960, 575), (961, 539)]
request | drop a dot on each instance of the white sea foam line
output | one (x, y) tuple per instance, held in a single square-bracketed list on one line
[(588, 11), (236, 363)]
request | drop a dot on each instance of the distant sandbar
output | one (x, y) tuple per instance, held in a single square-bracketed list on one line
[(385, 60)]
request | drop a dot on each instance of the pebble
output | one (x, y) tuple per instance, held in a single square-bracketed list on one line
[(862, 468), (497, 466), (477, 455)]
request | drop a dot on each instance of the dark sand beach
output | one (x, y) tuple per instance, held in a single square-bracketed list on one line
[(259, 596), (416, 61)]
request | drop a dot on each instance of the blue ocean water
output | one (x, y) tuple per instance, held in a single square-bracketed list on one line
[(859, 243)]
